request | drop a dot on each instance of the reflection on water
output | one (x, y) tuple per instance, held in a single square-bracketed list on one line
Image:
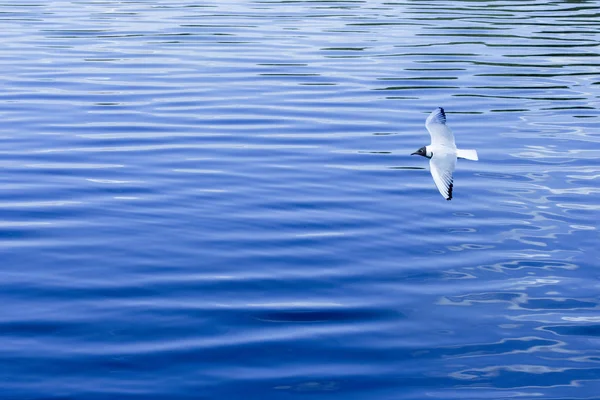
[(203, 200)]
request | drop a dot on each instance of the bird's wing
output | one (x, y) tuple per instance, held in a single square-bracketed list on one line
[(436, 125), (442, 167)]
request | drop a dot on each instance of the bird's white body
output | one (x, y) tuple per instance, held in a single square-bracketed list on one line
[(442, 152)]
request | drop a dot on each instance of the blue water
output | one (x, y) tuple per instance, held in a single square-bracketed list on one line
[(216, 200)]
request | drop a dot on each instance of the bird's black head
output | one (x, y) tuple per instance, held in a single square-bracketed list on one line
[(421, 152)]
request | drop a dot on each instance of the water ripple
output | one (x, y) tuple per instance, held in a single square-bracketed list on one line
[(204, 200)]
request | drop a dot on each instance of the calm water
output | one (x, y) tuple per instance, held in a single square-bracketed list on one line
[(215, 200)]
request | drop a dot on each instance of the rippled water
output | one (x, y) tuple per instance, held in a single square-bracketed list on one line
[(216, 200)]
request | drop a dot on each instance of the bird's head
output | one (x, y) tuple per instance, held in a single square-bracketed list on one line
[(423, 151)]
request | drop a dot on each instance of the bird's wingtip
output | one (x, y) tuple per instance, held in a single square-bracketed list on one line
[(437, 116)]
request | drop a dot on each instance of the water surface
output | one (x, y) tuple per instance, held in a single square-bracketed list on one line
[(216, 200)]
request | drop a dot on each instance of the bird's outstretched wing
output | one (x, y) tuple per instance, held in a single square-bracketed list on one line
[(442, 167), (440, 133)]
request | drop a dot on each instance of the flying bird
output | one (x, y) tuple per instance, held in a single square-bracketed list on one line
[(442, 152)]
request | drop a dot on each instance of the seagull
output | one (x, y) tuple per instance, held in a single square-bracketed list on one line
[(442, 152)]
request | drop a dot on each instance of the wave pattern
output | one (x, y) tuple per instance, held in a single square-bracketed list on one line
[(216, 200)]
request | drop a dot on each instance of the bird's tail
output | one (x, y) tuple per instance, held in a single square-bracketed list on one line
[(469, 154)]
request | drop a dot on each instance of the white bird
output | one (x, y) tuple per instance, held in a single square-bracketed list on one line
[(442, 152)]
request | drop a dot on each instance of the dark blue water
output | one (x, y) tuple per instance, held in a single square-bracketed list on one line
[(215, 200)]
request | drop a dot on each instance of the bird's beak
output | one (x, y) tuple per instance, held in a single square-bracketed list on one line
[(415, 153)]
